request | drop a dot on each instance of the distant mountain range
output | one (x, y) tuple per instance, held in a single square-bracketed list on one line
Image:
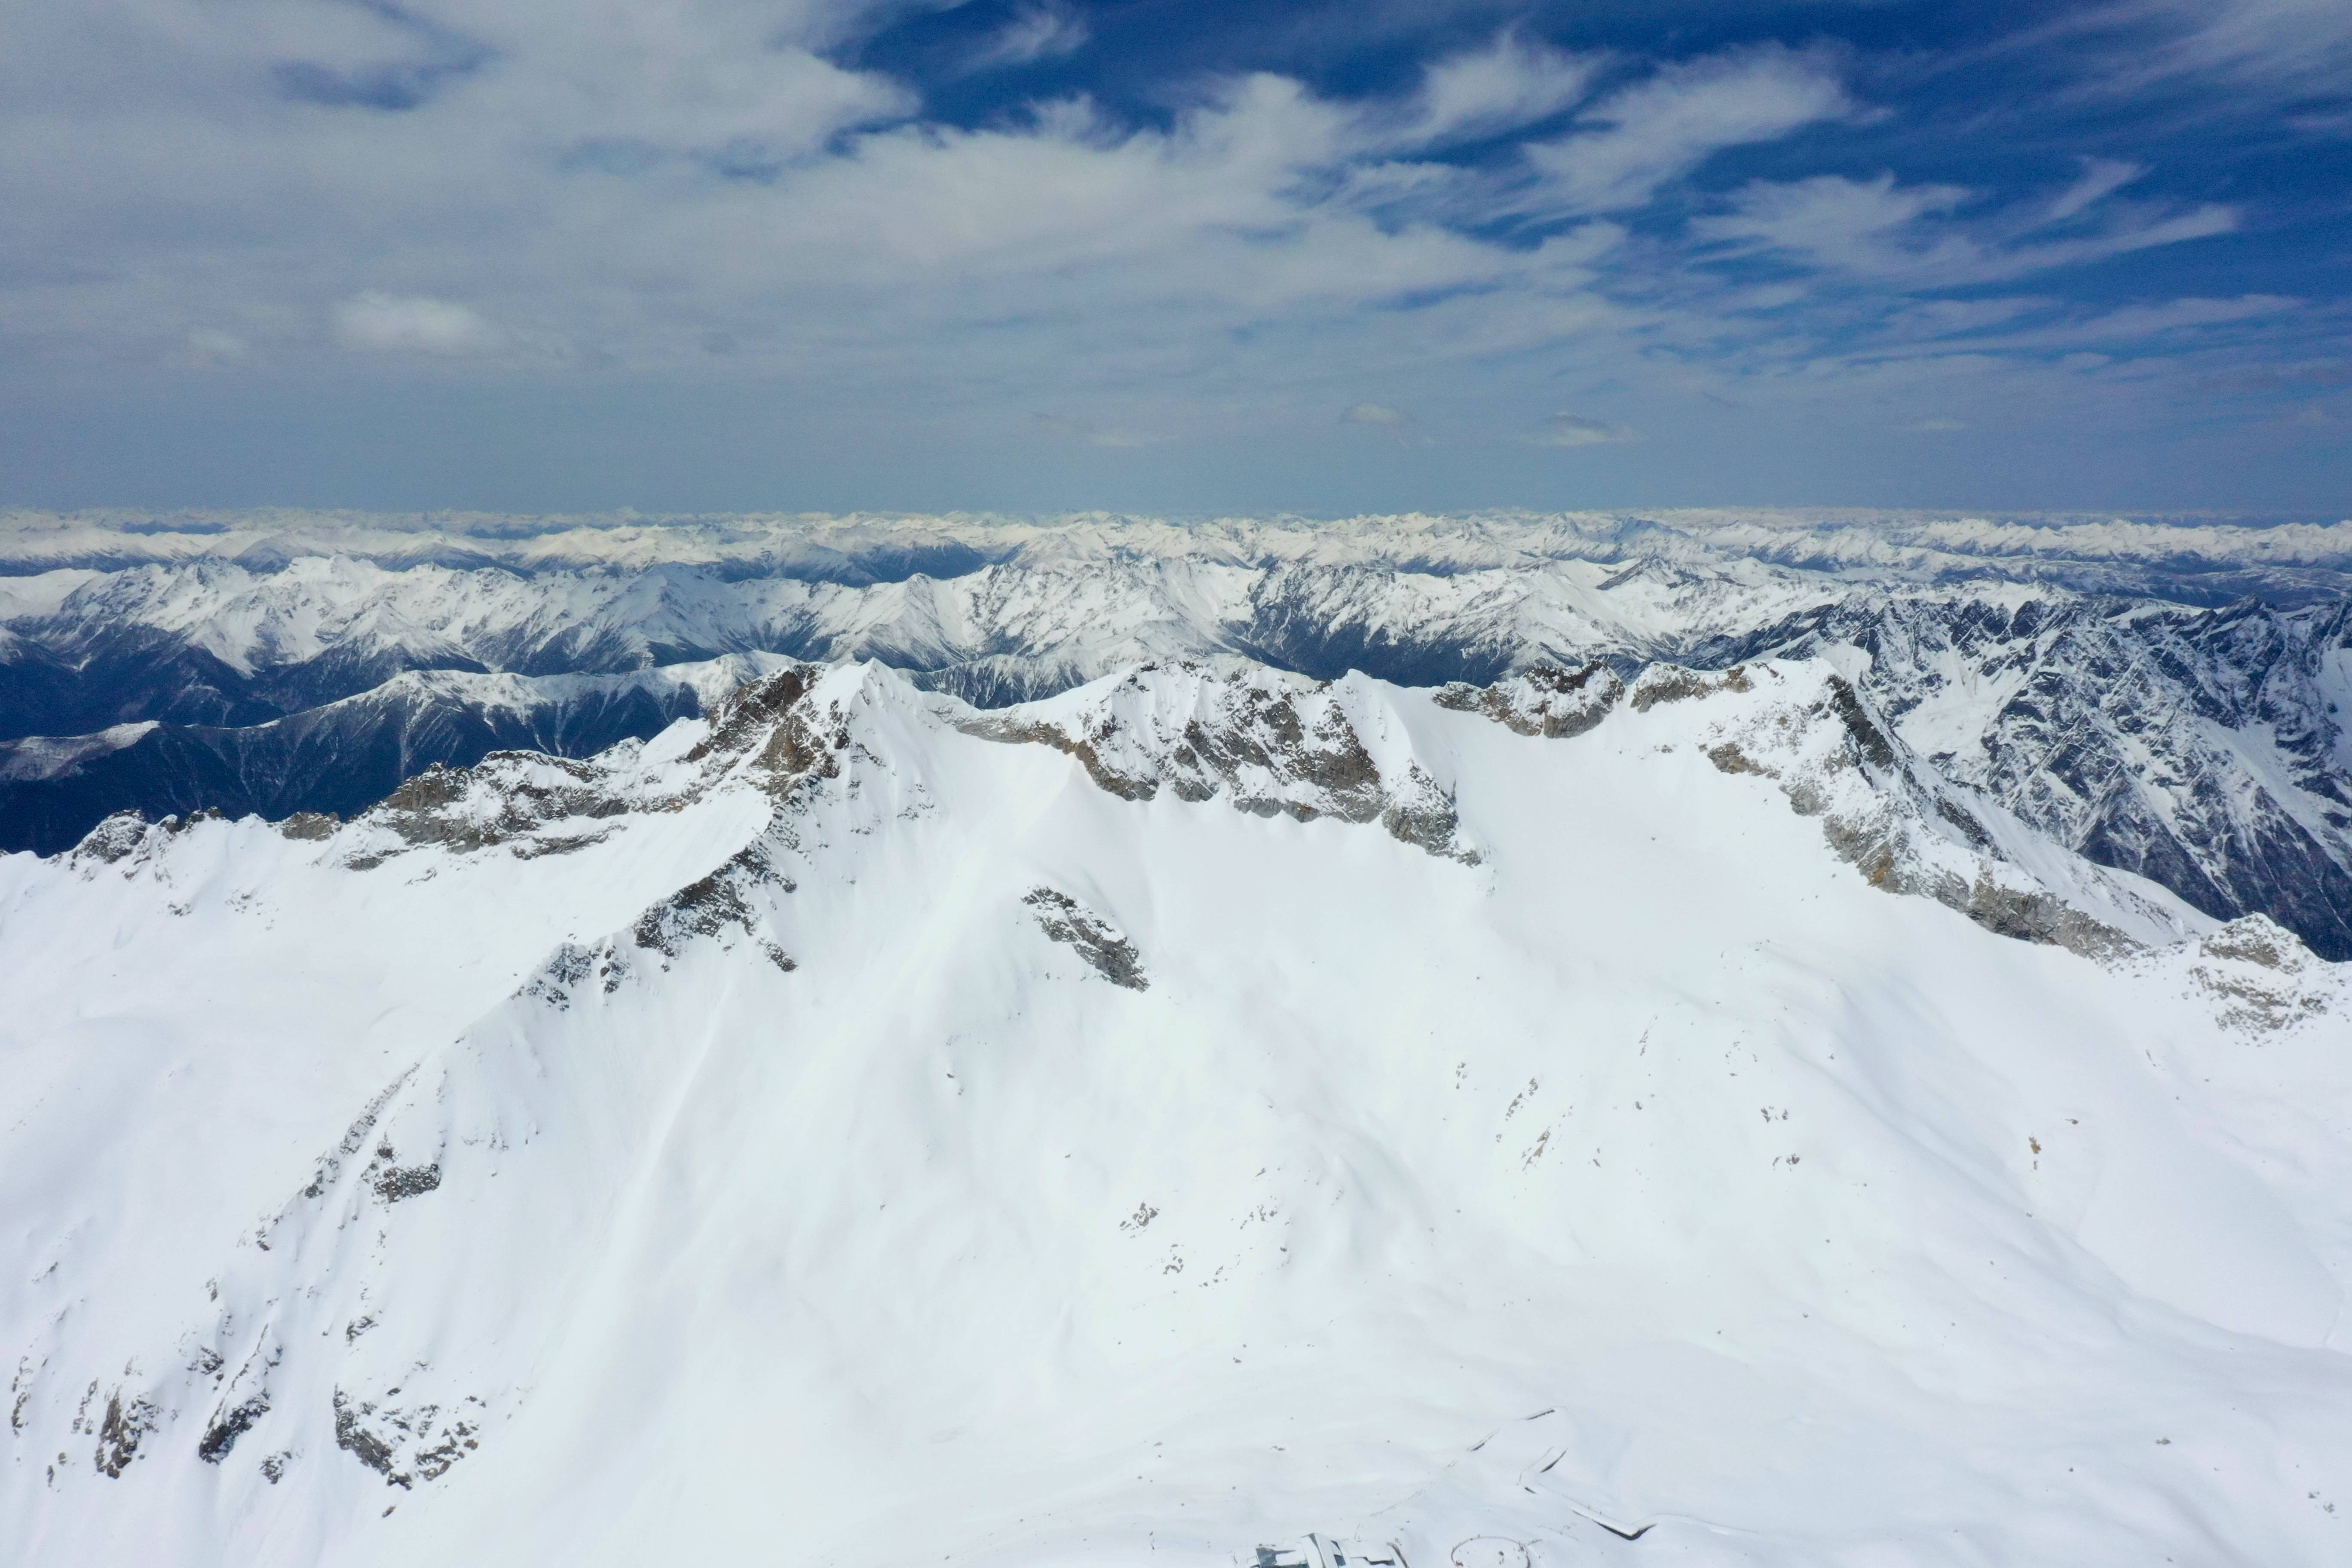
[(2164, 696)]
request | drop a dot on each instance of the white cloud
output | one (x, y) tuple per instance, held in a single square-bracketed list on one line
[(2294, 44), (1830, 218), (648, 177), (2135, 321), (2101, 178), (1393, 423), (1037, 33), (209, 346), (382, 323), (1878, 228), (1662, 129), (1574, 430), (2129, 326), (1939, 424), (1509, 83)]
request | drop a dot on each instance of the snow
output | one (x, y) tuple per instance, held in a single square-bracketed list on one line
[(40, 757), (1650, 1168), (41, 592)]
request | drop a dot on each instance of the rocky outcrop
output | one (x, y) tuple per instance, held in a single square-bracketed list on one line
[(1262, 742), (1834, 756), (1108, 952), (1542, 700)]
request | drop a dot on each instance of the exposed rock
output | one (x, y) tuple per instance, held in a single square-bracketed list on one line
[(395, 1183), (127, 1423), (354, 1437), (1882, 809), (2260, 978), (1542, 700), (406, 1443), (1270, 744), (1063, 919), (233, 1422), (1671, 683), (111, 840)]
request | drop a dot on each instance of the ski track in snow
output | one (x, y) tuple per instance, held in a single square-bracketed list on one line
[(1534, 1139)]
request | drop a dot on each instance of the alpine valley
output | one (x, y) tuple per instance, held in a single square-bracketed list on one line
[(1502, 1042)]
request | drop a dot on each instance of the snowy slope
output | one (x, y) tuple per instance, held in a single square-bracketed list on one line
[(1206, 1114)]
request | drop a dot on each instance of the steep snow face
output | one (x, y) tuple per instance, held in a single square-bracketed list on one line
[(1209, 1117)]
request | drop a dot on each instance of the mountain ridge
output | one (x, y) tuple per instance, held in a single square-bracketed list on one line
[(781, 1081), (2174, 729)]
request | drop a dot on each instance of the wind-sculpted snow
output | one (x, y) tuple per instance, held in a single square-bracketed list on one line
[(857, 1127), (2165, 696)]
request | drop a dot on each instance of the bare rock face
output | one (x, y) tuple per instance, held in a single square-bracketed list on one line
[(1268, 744), (2200, 746), (1882, 809), (2260, 979), (1910, 830), (1108, 952), (530, 804), (1542, 700), (111, 840)]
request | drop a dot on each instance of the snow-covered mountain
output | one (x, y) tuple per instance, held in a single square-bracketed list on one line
[(342, 757), (2163, 696), (1209, 1116)]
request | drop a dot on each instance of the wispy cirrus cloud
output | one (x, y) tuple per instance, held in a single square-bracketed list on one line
[(1923, 235), (1573, 431), (2279, 44), (1510, 83), (2101, 178), (1037, 32), (1656, 131)]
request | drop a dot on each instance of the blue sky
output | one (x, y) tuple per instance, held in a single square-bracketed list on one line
[(1176, 257)]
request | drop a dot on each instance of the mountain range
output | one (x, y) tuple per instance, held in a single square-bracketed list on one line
[(2164, 696)]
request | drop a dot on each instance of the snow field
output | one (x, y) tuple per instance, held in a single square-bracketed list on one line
[(1824, 1225)]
